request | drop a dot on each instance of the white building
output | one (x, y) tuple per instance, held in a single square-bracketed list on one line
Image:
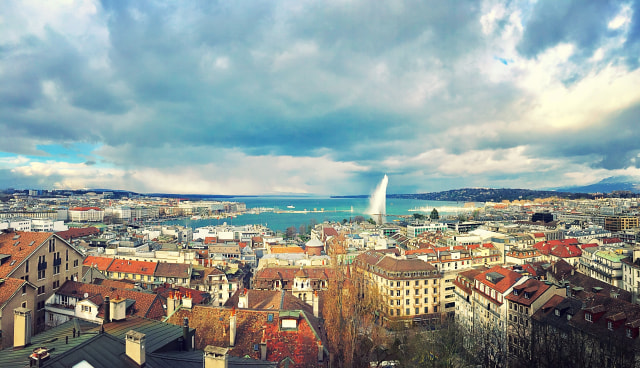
[(86, 214)]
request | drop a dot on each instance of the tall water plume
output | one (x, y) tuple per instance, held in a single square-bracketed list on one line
[(378, 201)]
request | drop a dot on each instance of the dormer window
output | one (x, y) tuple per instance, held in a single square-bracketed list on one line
[(557, 312), (610, 325), (588, 317), (629, 333), (515, 291), (526, 295)]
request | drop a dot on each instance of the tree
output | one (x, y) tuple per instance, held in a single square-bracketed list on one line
[(358, 219), (371, 221), (350, 312), (302, 230), (434, 214), (418, 216), (291, 232)]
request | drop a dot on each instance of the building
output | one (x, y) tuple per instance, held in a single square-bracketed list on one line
[(43, 259), (14, 294), (86, 214), (91, 302), (620, 223), (490, 310), (409, 287), (523, 302)]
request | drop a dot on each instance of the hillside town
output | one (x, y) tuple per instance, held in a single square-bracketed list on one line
[(547, 282)]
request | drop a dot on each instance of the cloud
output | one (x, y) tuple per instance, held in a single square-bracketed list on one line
[(317, 96)]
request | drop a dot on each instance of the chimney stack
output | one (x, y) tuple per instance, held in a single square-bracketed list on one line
[(215, 357), (118, 310), (232, 328), (243, 299), (185, 334), (107, 309), (187, 301), (21, 327), (135, 347), (320, 351), (263, 347), (316, 305)]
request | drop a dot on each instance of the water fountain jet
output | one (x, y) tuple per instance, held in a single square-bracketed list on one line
[(378, 201)]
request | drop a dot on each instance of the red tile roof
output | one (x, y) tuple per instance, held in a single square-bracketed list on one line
[(177, 270), (292, 249), (197, 297), (19, 249), (528, 292), (78, 232), (101, 263), (135, 267), (8, 287), (146, 305), (253, 327), (509, 279)]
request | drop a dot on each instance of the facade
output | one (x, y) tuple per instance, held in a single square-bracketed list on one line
[(43, 259), (522, 303), (14, 294), (86, 214), (490, 310), (409, 287), (620, 223)]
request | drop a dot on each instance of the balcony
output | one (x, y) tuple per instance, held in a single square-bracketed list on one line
[(42, 266), (57, 261)]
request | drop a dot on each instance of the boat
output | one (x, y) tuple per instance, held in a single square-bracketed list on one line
[(291, 207)]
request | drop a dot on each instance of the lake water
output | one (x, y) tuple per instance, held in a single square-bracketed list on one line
[(334, 209)]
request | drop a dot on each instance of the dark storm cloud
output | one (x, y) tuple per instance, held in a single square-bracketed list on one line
[(582, 23)]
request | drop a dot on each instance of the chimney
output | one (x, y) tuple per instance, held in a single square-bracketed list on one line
[(185, 334), (243, 299), (187, 301), (171, 306), (316, 304), (118, 309), (232, 328), (21, 327), (135, 347), (107, 309), (263, 347), (320, 351), (215, 357)]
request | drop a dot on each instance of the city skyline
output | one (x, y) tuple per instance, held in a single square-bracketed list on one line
[(317, 97)]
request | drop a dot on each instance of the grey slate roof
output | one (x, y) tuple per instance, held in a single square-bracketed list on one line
[(52, 339)]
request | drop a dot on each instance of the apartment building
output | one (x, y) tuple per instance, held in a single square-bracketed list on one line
[(409, 287), (43, 259)]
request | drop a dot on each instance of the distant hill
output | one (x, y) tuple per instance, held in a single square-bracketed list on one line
[(608, 185), (483, 195)]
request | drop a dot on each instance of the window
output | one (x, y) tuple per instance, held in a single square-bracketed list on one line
[(417, 301), (52, 245), (426, 310), (587, 316), (417, 310), (406, 292), (75, 263), (40, 290), (557, 312), (610, 325), (41, 274), (629, 333), (407, 311), (24, 289), (26, 266), (406, 301), (56, 270), (56, 284), (86, 308)]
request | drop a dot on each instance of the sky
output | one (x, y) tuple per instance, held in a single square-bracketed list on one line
[(317, 97)]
